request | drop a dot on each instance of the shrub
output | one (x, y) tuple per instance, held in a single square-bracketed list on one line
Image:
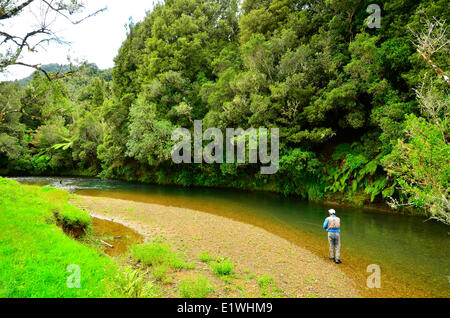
[(205, 257), (222, 267), (132, 284), (196, 286), (265, 281), (157, 253), (267, 287), (159, 272)]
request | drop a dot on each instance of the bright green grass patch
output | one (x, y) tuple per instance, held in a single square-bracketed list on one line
[(158, 253), (133, 284), (159, 272), (268, 288), (196, 286), (49, 204), (265, 281), (36, 253), (222, 267), (205, 257)]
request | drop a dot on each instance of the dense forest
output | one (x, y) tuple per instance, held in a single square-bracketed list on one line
[(362, 115)]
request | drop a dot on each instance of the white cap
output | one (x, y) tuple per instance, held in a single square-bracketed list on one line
[(332, 211)]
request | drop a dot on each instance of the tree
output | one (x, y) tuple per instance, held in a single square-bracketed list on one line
[(420, 161), (310, 68), (432, 39), (150, 139), (160, 69), (12, 132), (12, 45), (340, 93), (420, 164)]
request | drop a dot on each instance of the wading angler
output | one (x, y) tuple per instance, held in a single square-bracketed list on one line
[(235, 146)]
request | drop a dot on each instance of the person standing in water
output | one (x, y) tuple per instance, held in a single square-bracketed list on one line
[(333, 226)]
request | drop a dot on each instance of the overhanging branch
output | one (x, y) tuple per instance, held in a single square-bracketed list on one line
[(10, 13), (32, 40)]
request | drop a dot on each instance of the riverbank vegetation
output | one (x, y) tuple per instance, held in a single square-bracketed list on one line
[(37, 256), (232, 256), (46, 255), (358, 122)]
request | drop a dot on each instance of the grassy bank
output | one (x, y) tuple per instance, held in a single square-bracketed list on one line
[(43, 239), (36, 253)]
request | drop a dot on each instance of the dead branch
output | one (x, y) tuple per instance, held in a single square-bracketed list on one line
[(432, 39), (6, 14), (42, 35), (58, 75), (106, 244)]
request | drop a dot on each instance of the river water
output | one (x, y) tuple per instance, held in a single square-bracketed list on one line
[(413, 254)]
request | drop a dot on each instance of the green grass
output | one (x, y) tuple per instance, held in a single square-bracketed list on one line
[(205, 257), (311, 279), (268, 288), (222, 267), (133, 284), (265, 281), (159, 272), (196, 286), (157, 253), (35, 251)]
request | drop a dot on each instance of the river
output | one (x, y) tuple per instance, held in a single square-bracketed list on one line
[(413, 254)]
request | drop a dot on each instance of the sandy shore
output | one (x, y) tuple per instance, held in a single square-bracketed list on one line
[(296, 271)]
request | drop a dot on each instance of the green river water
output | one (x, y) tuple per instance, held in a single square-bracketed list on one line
[(413, 254)]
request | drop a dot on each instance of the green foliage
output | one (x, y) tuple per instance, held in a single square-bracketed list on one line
[(157, 253), (268, 288), (280, 72), (265, 281), (222, 267), (359, 171), (30, 235), (12, 133), (196, 286), (205, 257), (150, 139), (337, 90), (132, 284), (159, 272), (421, 166), (64, 146)]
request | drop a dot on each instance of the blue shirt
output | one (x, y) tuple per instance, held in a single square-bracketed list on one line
[(325, 225)]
